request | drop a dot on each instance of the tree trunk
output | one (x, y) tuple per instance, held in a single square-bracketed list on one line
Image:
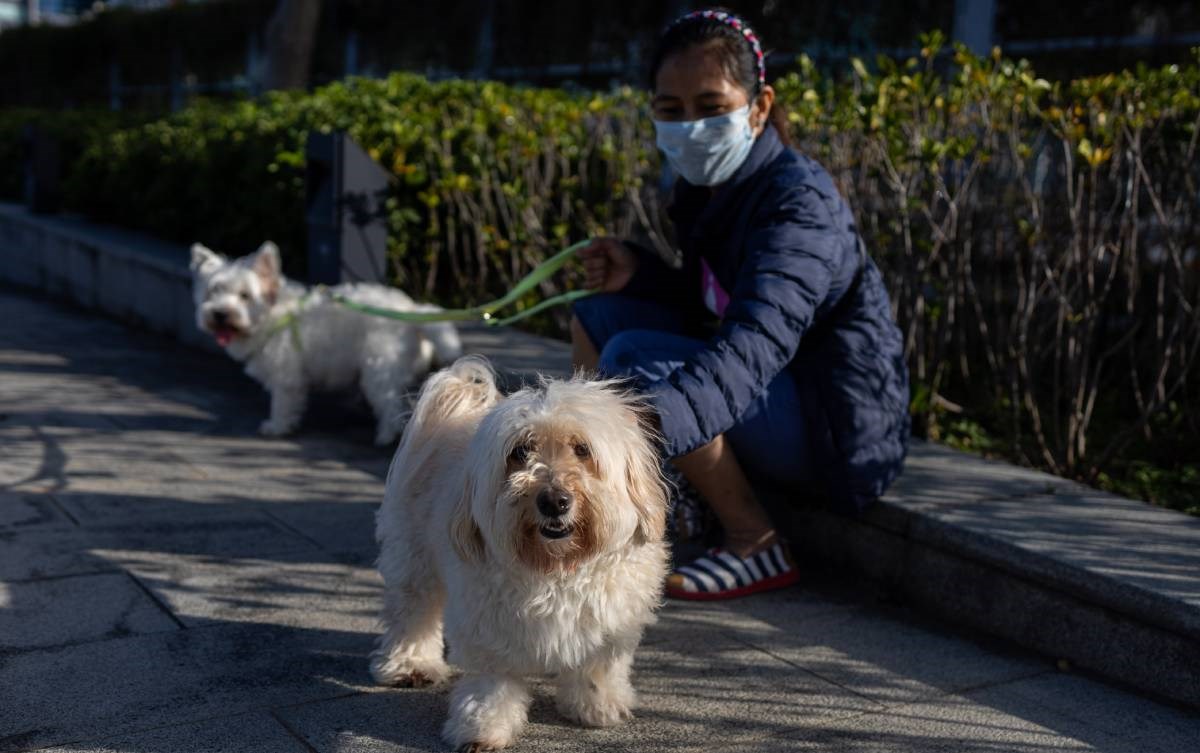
[(290, 38)]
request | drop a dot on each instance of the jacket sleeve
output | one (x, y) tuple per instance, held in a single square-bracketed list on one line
[(791, 257)]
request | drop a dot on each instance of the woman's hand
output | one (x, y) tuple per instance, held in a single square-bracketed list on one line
[(608, 265)]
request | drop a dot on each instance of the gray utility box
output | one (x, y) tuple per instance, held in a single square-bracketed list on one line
[(345, 195)]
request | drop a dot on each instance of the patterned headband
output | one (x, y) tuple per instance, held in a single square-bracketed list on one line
[(735, 23)]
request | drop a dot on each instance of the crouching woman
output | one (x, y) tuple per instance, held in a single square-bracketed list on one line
[(771, 354)]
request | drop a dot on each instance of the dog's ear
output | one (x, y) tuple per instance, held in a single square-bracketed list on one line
[(203, 258), (465, 535), (644, 479), (268, 269)]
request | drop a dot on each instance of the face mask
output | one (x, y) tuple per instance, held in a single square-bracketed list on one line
[(709, 151)]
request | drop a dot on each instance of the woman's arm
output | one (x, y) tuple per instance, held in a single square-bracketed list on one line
[(793, 253)]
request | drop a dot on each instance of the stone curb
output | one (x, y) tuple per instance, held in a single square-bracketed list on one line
[(990, 583), (130, 276), (1107, 584)]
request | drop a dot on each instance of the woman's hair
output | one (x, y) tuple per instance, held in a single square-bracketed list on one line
[(737, 47)]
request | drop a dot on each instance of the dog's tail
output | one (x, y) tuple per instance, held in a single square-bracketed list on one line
[(446, 344), (441, 336), (466, 389), (452, 401)]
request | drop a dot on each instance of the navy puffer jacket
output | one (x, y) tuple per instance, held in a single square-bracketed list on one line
[(805, 297)]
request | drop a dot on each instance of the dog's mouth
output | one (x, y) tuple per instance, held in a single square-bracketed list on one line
[(555, 529), (225, 335)]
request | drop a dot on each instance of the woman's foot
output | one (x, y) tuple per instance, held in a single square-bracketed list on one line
[(719, 574)]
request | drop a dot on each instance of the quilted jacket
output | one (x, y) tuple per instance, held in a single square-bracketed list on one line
[(804, 296)]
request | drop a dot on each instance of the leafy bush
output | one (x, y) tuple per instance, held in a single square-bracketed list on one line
[(487, 179), (1040, 240)]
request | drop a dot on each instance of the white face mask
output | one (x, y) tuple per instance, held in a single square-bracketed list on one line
[(707, 152)]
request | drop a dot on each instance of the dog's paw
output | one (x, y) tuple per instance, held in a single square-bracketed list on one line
[(603, 705), (597, 712), (269, 428), (408, 674)]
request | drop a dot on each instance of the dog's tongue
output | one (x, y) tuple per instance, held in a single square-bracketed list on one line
[(224, 336)]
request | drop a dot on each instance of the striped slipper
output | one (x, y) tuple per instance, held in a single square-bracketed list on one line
[(721, 575)]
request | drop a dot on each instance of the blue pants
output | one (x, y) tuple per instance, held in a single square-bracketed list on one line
[(643, 339)]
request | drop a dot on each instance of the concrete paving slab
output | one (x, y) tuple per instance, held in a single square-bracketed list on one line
[(229, 455), (45, 554), (683, 623), (947, 724), (256, 732), (1054, 711), (311, 590), (345, 528), (23, 460), (117, 476), (27, 511), (385, 721), (514, 351), (1101, 715), (719, 695), (721, 689), (141, 682), (884, 657), (76, 609), (112, 501)]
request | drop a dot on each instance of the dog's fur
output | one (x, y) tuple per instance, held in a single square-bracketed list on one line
[(247, 303), (467, 547)]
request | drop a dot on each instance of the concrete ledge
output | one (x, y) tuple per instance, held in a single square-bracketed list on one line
[(1109, 584), (130, 276)]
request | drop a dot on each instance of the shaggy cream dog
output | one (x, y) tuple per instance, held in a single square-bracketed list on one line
[(293, 340), (528, 529)]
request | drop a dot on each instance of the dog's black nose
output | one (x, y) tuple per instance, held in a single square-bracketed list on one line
[(220, 318), (553, 502)]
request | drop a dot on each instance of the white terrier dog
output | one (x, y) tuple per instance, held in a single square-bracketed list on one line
[(529, 529), (293, 340)]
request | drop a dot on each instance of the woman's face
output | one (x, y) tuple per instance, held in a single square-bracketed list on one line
[(692, 85)]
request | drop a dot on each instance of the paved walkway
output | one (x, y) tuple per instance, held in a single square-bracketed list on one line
[(171, 582)]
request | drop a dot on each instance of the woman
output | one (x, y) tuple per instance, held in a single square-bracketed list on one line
[(771, 354)]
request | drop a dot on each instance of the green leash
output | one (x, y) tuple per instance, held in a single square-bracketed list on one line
[(486, 312)]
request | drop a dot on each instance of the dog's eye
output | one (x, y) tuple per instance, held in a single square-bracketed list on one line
[(245, 295), (519, 454), (582, 451)]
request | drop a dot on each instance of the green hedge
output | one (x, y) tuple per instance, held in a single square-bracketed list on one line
[(487, 178), (1040, 239)]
